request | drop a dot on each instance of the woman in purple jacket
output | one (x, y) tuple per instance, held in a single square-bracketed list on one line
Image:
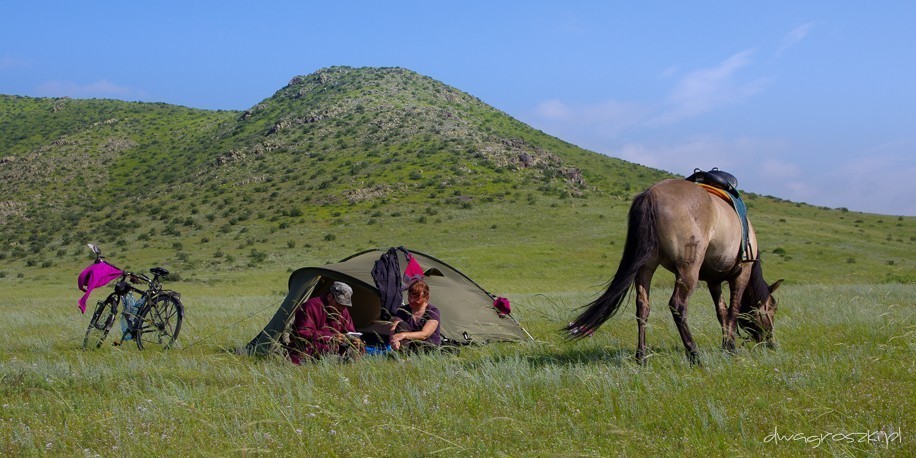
[(418, 321)]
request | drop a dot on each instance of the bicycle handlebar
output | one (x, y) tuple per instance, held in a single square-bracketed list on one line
[(133, 277)]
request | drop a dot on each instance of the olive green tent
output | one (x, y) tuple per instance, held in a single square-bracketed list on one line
[(467, 312)]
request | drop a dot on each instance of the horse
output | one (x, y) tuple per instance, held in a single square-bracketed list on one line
[(697, 236)]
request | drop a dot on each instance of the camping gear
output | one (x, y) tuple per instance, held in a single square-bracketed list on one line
[(467, 309)]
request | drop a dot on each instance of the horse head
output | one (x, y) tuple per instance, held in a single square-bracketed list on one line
[(758, 307)]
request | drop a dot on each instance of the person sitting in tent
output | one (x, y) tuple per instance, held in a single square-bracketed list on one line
[(417, 323), (321, 325)]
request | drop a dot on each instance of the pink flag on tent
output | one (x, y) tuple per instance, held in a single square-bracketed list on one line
[(413, 271), (95, 276)]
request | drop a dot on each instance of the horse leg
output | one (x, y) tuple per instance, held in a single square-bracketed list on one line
[(736, 287), (643, 280), (715, 290), (683, 288)]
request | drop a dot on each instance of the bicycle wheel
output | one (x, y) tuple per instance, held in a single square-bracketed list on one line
[(100, 324), (159, 322)]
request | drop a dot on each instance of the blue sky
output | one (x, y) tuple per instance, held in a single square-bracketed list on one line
[(809, 101)]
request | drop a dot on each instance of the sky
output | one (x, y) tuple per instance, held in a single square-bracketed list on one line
[(810, 101)]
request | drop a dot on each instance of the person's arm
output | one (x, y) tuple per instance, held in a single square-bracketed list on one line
[(396, 320), (308, 329), (305, 325), (428, 329), (347, 322), (344, 325)]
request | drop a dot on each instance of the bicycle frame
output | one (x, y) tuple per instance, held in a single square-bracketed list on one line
[(158, 318)]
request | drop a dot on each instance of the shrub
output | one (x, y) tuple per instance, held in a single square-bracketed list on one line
[(257, 256)]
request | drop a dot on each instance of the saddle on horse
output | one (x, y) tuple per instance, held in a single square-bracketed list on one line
[(715, 180)]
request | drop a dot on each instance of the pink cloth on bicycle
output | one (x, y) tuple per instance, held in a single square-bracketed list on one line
[(95, 276)]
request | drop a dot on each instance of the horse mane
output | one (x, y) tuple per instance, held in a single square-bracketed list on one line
[(757, 290)]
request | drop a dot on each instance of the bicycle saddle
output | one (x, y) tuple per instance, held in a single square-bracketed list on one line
[(159, 271)]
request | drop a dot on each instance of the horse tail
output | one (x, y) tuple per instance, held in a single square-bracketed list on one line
[(641, 245)]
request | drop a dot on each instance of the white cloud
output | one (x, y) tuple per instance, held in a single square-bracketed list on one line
[(706, 89), (669, 72), (877, 179), (681, 157), (794, 37), (599, 124), (880, 180), (553, 110), (591, 125), (778, 169), (98, 89)]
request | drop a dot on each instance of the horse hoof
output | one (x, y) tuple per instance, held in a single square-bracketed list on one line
[(640, 358)]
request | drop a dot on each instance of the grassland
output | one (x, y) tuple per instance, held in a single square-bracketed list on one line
[(844, 366)]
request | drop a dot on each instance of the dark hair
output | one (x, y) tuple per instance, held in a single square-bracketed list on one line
[(418, 287)]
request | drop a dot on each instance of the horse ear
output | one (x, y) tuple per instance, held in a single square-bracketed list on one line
[(775, 286)]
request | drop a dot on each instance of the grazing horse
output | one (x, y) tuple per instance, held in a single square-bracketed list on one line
[(696, 235)]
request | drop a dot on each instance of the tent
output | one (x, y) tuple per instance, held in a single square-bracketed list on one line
[(468, 314)]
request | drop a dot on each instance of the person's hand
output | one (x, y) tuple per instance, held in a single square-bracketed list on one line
[(396, 340)]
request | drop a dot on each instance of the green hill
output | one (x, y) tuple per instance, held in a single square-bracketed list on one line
[(346, 159)]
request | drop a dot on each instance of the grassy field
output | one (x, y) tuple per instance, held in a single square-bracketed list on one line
[(843, 372), (841, 382)]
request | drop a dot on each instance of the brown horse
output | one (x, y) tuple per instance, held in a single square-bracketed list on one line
[(677, 224)]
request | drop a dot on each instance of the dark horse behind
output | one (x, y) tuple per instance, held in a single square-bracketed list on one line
[(696, 235)]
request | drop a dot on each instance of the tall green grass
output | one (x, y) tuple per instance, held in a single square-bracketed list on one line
[(844, 365)]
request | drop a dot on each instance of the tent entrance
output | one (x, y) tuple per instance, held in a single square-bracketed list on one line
[(366, 308)]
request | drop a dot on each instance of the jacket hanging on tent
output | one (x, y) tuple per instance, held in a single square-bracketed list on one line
[(387, 276)]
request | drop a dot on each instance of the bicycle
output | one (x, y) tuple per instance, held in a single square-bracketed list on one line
[(153, 319)]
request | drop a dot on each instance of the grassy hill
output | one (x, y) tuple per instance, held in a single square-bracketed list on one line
[(346, 159)]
